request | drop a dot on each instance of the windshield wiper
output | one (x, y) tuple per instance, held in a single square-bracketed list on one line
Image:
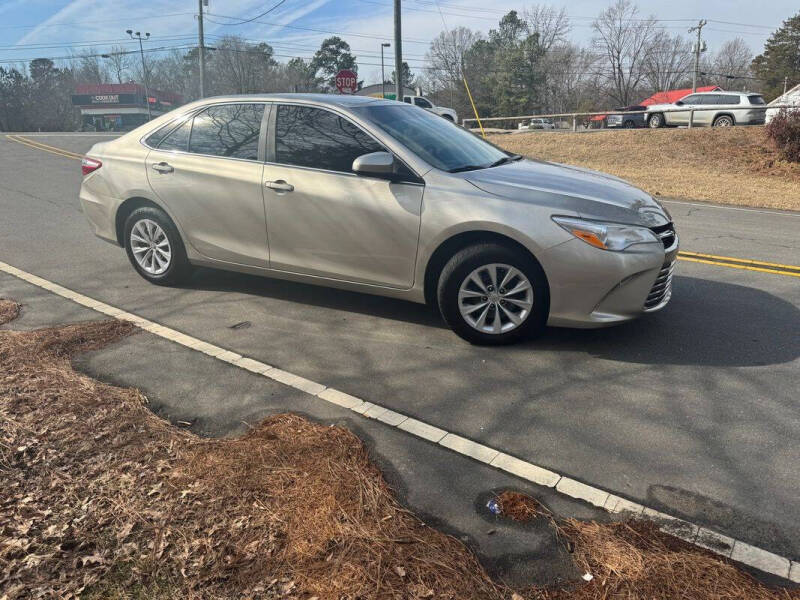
[(505, 159), (467, 168), (497, 163)]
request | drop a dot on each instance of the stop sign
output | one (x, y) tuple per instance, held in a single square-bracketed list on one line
[(346, 82)]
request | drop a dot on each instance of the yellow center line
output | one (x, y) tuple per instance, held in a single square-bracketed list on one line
[(44, 147), (745, 266), (745, 261)]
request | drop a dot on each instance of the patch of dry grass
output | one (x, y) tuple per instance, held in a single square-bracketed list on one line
[(736, 165), (102, 499)]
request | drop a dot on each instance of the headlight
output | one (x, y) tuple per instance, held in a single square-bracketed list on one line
[(606, 236)]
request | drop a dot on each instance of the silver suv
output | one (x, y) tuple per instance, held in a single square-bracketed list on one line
[(711, 109), (381, 197)]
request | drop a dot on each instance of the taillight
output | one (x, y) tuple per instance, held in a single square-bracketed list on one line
[(89, 165)]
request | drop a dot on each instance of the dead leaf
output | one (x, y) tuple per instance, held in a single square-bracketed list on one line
[(400, 571)]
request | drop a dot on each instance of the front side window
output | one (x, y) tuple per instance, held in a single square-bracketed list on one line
[(422, 103), (230, 130), (694, 99), (178, 139), (312, 137), (437, 141)]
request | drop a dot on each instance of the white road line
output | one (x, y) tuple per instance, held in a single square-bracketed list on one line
[(787, 213), (700, 536)]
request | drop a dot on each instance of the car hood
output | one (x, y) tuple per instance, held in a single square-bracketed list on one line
[(590, 194)]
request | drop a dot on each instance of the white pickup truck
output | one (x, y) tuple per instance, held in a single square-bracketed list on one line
[(422, 102)]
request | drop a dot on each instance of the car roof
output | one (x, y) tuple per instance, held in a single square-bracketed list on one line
[(347, 100)]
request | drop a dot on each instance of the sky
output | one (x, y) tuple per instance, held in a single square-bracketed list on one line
[(59, 28)]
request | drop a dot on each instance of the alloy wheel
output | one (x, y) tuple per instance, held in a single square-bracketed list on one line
[(495, 298), (150, 247)]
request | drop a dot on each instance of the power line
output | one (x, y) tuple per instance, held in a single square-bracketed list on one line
[(269, 10)]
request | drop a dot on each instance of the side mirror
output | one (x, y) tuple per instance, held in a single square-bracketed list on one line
[(376, 164)]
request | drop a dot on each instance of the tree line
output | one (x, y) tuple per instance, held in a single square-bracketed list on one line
[(525, 65)]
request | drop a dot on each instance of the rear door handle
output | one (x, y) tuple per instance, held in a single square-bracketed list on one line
[(163, 167), (279, 186)]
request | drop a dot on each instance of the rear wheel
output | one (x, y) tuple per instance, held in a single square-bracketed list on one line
[(655, 121), (491, 294), (723, 121), (155, 248)]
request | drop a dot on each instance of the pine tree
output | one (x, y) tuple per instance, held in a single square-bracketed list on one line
[(781, 59)]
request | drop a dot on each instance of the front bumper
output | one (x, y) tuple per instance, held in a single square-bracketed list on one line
[(596, 288)]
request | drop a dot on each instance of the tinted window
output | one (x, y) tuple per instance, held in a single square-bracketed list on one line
[(435, 140), (313, 137), (691, 100), (756, 99), (228, 130), (407, 99), (727, 99), (178, 139), (421, 102)]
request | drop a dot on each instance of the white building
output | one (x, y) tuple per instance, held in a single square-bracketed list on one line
[(791, 97)]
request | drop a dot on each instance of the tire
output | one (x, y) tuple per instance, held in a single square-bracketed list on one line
[(655, 121), (167, 263), (723, 121), (458, 290)]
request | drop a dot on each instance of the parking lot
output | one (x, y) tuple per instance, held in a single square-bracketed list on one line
[(691, 411)]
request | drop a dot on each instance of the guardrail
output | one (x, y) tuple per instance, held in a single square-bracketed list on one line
[(574, 116)]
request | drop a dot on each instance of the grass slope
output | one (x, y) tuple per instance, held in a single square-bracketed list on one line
[(736, 165)]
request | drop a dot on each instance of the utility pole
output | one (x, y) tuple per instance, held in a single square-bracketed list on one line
[(201, 47), (785, 83), (398, 53), (697, 49), (383, 77), (138, 36)]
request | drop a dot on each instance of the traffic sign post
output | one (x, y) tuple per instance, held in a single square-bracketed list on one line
[(346, 82)]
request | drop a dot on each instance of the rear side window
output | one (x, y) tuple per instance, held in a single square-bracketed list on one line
[(421, 102), (312, 137), (230, 130), (178, 139), (756, 99), (728, 99)]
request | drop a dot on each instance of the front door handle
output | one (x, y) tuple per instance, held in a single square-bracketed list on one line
[(163, 167), (279, 186)]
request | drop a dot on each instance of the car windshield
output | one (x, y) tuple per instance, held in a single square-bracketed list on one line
[(437, 141)]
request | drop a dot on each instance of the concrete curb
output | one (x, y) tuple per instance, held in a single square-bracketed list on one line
[(722, 545)]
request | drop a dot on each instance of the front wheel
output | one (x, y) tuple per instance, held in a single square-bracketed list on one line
[(491, 294), (155, 248)]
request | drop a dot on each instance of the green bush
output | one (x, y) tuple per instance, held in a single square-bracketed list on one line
[(784, 131)]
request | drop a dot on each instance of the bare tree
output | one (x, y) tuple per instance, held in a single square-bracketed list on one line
[(445, 56), (731, 64), (550, 24), (119, 61), (668, 62), (624, 38), (88, 68)]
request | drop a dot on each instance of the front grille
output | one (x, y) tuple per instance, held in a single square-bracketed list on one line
[(666, 233), (661, 291)]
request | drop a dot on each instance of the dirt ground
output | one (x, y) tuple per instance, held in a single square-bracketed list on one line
[(735, 165), (103, 499)]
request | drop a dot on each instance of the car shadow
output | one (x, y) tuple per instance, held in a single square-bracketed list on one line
[(707, 323)]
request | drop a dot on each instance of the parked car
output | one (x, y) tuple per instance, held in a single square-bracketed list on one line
[(442, 111), (536, 124), (625, 120), (328, 190), (721, 109)]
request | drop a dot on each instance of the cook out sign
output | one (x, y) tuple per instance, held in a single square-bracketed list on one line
[(346, 82)]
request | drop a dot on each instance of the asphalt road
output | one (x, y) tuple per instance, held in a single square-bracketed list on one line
[(693, 410)]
